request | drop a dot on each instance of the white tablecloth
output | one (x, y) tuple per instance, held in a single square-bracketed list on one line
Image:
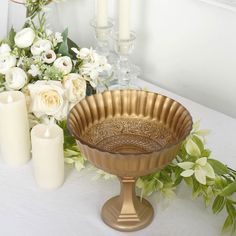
[(74, 209)]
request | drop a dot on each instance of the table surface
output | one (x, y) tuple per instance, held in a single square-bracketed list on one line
[(74, 209)]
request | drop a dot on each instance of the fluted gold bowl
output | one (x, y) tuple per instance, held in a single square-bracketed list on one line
[(129, 133)]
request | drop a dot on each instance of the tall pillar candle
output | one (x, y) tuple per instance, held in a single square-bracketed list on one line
[(124, 19), (102, 13), (14, 128), (48, 155)]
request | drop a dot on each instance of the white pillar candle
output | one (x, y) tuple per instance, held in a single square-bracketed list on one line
[(124, 19), (102, 13), (48, 155), (14, 128)]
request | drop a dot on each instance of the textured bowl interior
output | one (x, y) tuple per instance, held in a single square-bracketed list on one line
[(126, 124)]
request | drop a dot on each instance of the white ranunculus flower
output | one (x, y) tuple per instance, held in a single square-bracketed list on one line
[(24, 38), (49, 56), (15, 78), (64, 64), (75, 86), (5, 48), (40, 46), (7, 61), (47, 98)]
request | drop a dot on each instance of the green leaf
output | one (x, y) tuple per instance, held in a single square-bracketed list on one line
[(219, 168), (229, 190), (202, 132), (196, 125), (228, 222), (63, 48), (72, 44), (230, 209), (218, 204), (196, 189), (89, 90), (192, 148), (206, 153), (189, 181), (11, 37), (79, 165), (199, 142), (69, 161), (186, 165)]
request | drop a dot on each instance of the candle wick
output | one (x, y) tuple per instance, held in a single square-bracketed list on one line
[(47, 133), (9, 99)]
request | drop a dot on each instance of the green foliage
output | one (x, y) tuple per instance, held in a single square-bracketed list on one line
[(72, 153), (10, 38), (219, 190), (63, 48), (52, 73)]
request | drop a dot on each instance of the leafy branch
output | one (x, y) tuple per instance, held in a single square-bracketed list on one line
[(207, 177)]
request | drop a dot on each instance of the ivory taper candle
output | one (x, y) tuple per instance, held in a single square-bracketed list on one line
[(124, 19), (48, 155), (14, 128), (102, 13)]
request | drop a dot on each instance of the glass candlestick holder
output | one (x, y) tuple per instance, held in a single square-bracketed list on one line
[(102, 36), (126, 72)]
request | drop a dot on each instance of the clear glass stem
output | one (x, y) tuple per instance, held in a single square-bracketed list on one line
[(124, 71)]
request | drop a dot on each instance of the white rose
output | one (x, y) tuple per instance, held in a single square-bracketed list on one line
[(40, 46), (64, 64), (7, 61), (24, 38), (47, 98), (49, 56), (75, 86), (15, 78), (5, 48)]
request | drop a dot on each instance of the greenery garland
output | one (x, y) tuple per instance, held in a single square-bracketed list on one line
[(207, 177)]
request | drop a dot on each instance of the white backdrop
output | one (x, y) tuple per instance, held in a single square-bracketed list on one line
[(186, 46)]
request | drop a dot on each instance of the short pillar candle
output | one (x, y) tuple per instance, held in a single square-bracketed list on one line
[(48, 155), (14, 128)]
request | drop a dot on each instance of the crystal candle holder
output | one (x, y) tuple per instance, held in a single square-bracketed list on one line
[(126, 72), (102, 36)]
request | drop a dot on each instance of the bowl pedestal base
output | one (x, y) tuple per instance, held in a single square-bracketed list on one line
[(127, 212)]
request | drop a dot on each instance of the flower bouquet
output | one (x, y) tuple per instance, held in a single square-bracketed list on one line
[(51, 70)]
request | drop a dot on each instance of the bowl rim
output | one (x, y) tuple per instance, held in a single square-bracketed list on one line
[(168, 146)]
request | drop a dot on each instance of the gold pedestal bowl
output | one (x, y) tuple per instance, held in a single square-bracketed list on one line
[(129, 133)]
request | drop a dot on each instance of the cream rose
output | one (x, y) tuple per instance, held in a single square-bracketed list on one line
[(75, 86), (64, 64), (40, 46), (24, 38), (5, 48), (49, 56), (47, 98), (7, 61), (15, 78)]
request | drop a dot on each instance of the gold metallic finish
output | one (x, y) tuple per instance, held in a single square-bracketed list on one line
[(129, 133)]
